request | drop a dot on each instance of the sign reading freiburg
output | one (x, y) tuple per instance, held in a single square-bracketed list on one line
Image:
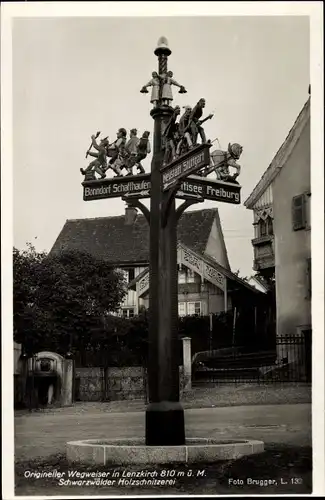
[(139, 187)]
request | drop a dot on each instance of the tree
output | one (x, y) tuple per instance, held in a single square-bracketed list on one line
[(26, 277), (61, 301), (244, 278)]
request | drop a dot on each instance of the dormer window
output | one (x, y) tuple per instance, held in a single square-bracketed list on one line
[(265, 227)]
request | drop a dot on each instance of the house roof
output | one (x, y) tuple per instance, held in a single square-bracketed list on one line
[(111, 239), (281, 156), (257, 283), (212, 262)]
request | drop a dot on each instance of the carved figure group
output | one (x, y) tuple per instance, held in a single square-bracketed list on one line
[(222, 160), (183, 136), (162, 88), (123, 154)]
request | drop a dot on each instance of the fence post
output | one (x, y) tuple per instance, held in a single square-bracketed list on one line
[(187, 363), (67, 381)]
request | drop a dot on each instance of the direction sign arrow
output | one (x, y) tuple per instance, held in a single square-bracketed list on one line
[(138, 186), (181, 194), (133, 185), (211, 189), (187, 164), (138, 194)]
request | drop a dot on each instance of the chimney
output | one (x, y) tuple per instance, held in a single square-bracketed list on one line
[(130, 215), (309, 89)]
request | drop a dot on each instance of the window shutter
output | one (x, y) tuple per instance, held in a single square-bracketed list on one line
[(262, 227), (298, 212), (131, 274), (309, 278)]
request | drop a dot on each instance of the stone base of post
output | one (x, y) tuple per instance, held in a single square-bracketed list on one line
[(165, 424)]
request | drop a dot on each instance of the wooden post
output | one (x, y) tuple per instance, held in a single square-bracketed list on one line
[(164, 413), (226, 296), (187, 363)]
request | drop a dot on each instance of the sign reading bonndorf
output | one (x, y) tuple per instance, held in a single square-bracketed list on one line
[(117, 187), (139, 187)]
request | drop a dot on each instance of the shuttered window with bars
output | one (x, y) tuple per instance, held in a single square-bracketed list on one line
[(298, 212)]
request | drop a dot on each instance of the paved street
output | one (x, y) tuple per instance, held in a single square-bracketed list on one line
[(44, 434)]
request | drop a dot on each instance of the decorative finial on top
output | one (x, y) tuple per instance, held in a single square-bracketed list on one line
[(162, 47)]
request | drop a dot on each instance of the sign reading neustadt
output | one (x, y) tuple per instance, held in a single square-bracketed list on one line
[(183, 167), (139, 187)]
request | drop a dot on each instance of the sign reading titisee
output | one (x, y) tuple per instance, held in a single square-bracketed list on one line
[(139, 187), (210, 189), (189, 163)]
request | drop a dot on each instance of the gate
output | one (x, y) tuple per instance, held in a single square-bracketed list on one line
[(289, 362)]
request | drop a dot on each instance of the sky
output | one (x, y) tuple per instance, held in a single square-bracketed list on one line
[(75, 76)]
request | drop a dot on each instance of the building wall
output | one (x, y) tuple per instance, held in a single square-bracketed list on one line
[(211, 297), (292, 248), (131, 300), (190, 289)]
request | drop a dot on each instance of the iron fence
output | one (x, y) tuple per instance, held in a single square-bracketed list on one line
[(290, 361)]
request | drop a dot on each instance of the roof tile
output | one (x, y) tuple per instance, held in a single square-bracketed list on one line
[(111, 239)]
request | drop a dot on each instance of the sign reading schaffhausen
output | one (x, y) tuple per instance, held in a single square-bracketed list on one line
[(139, 187)]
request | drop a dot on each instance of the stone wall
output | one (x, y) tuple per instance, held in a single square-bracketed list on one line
[(126, 383), (91, 384)]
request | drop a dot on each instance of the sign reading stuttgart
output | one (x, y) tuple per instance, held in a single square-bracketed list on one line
[(188, 164), (139, 187)]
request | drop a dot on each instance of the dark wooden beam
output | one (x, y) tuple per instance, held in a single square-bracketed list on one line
[(140, 206), (184, 206), (167, 204)]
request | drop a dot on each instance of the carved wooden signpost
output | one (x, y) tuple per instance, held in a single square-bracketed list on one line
[(139, 187), (178, 170), (188, 164)]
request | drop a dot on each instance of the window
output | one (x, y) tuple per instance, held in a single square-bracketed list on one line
[(131, 274), (186, 276), (182, 276), (262, 228), (269, 226), (194, 308), (181, 309), (298, 212), (190, 276), (128, 313)]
